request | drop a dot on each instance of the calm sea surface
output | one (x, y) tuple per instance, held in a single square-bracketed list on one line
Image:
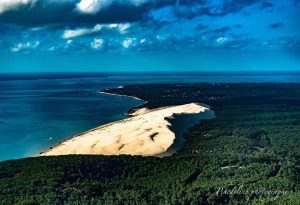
[(40, 110)]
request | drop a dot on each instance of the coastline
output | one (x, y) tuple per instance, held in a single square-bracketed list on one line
[(181, 124), (107, 124), (146, 134), (107, 93), (131, 111), (174, 136)]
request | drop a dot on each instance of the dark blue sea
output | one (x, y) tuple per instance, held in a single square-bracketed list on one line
[(40, 110)]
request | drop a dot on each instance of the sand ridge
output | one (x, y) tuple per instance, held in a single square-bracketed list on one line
[(146, 133)]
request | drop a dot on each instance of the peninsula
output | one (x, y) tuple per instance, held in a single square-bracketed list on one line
[(146, 133)]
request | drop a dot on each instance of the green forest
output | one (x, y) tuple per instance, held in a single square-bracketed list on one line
[(248, 154)]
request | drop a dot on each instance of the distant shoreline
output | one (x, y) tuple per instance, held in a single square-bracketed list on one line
[(131, 110), (108, 93)]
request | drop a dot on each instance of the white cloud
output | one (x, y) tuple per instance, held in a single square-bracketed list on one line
[(112, 25), (36, 44), (68, 43), (94, 6), (11, 5), (52, 48), (97, 43), (123, 28), (73, 33), (25, 46), (128, 42), (221, 40), (143, 40), (17, 48)]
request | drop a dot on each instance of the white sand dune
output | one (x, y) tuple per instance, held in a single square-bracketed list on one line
[(146, 133)]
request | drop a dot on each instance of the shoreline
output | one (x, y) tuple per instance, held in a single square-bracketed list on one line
[(181, 124), (176, 140), (107, 93), (81, 133), (134, 109), (147, 134)]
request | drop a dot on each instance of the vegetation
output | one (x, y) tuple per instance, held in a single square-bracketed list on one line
[(249, 154)]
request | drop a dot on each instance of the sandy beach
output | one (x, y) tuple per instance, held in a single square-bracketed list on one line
[(146, 133)]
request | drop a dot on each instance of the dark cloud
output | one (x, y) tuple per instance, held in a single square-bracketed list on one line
[(44, 12), (34, 12), (235, 6), (275, 25), (232, 6), (221, 30), (37, 12), (189, 9), (201, 27), (266, 5)]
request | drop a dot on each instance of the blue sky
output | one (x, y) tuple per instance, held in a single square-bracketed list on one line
[(149, 35)]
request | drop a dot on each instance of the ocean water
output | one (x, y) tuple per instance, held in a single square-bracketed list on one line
[(40, 110)]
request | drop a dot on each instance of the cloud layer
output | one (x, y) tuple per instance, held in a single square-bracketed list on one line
[(32, 12), (67, 26)]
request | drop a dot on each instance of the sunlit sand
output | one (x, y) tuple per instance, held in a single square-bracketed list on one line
[(146, 133)]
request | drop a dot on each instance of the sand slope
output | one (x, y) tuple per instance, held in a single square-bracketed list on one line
[(146, 133)]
